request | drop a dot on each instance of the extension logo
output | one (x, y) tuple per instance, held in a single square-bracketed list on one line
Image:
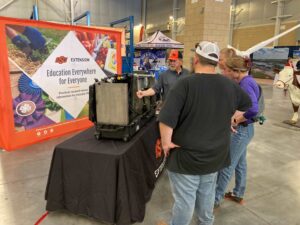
[(160, 158), (25, 108), (61, 59)]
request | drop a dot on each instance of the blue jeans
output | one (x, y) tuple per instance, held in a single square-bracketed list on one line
[(238, 153), (192, 192)]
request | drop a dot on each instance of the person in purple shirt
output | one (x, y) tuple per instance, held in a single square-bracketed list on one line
[(237, 68)]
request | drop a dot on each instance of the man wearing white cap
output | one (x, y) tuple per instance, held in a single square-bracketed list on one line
[(195, 129)]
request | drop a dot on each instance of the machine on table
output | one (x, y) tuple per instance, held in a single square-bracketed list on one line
[(115, 109)]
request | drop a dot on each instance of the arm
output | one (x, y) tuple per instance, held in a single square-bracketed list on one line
[(243, 104), (151, 91), (253, 110), (148, 92), (166, 138)]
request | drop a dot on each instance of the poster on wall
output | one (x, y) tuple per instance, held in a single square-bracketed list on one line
[(156, 58), (46, 72), (267, 62), (296, 54)]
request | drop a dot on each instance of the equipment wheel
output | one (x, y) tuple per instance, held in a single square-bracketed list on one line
[(126, 138), (98, 136)]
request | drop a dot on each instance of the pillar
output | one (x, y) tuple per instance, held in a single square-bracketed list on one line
[(205, 20)]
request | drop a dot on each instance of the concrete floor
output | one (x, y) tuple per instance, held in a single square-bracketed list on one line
[(272, 198)]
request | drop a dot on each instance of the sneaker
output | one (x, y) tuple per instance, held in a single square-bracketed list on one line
[(231, 196), (228, 195)]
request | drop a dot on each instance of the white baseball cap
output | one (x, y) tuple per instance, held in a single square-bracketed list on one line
[(208, 50)]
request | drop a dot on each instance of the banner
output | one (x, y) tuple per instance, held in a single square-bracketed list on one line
[(46, 70), (296, 54), (156, 58), (267, 62)]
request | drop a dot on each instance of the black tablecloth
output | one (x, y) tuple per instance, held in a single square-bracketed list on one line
[(110, 180)]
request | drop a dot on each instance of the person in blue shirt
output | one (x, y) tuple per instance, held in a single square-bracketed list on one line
[(27, 39), (237, 68), (146, 64)]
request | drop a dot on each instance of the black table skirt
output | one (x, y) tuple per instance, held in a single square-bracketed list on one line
[(110, 180)]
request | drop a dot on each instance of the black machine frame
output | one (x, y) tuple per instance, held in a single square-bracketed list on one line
[(138, 116)]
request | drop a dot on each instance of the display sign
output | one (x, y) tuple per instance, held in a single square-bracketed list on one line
[(296, 54), (269, 61), (156, 58), (46, 70)]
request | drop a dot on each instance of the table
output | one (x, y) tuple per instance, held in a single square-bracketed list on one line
[(110, 180)]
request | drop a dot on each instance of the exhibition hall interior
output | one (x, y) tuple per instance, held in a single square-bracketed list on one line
[(149, 112)]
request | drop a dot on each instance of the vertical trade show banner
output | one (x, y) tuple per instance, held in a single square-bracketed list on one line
[(45, 73)]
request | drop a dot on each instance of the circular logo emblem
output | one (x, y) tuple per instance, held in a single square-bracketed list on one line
[(25, 108), (165, 39)]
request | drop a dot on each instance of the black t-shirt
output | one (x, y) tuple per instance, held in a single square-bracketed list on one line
[(199, 109)]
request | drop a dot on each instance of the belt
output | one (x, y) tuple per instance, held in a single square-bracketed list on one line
[(244, 124)]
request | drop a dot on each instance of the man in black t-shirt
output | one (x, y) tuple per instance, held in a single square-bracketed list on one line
[(195, 124)]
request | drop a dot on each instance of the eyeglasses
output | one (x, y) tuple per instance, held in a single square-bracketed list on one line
[(171, 60)]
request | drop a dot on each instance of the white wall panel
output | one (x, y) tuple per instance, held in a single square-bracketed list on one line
[(258, 12), (293, 8)]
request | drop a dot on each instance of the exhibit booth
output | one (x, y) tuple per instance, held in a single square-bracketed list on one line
[(154, 50)]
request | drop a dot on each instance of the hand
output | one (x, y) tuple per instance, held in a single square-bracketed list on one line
[(237, 118), (233, 129), (234, 123), (140, 94), (167, 147)]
